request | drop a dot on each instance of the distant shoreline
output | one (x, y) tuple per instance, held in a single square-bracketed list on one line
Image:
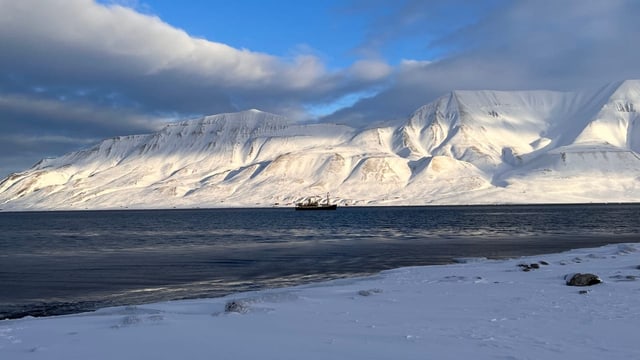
[(291, 207)]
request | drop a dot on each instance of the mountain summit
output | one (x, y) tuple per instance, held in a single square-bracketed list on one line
[(467, 147)]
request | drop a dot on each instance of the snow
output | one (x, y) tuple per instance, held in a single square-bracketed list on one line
[(467, 147), (479, 308)]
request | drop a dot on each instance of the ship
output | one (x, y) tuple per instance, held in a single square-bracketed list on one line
[(312, 204)]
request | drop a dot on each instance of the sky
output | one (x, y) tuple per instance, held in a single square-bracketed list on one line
[(74, 72)]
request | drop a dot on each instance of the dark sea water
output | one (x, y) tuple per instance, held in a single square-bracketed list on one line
[(63, 262)]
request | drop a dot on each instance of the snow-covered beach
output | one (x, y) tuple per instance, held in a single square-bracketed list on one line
[(481, 309)]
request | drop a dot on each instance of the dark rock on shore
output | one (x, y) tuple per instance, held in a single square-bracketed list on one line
[(532, 266), (582, 279), (236, 306)]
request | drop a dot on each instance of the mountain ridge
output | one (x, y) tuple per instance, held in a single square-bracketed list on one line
[(466, 147)]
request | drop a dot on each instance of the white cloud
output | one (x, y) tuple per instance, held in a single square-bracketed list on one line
[(370, 70), (136, 43), (407, 64)]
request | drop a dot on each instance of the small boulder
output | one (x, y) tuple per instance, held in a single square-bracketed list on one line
[(582, 279), (236, 306), (524, 267), (529, 267)]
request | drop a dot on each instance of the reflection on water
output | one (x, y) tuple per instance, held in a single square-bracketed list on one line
[(60, 262)]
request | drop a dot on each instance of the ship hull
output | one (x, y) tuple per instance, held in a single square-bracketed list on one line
[(319, 207)]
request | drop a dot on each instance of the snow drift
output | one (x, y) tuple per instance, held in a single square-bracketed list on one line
[(467, 147)]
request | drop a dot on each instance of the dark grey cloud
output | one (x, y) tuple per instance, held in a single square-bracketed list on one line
[(542, 44), (34, 127)]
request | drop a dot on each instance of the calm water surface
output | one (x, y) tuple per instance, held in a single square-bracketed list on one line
[(64, 262)]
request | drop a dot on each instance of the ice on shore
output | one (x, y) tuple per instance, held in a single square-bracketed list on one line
[(486, 309)]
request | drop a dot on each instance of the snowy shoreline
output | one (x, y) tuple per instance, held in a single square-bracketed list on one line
[(483, 309), (292, 206)]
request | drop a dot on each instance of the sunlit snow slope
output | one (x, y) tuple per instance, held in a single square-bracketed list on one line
[(467, 147)]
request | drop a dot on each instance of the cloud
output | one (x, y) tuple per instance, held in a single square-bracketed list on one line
[(557, 45), (82, 43), (29, 113), (416, 24), (370, 70), (35, 127)]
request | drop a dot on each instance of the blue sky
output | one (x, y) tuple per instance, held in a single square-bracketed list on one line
[(337, 31), (281, 28), (73, 72)]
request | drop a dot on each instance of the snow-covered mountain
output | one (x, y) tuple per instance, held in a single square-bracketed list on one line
[(467, 147)]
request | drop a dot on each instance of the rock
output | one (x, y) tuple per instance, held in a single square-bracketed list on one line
[(583, 292), (524, 267), (369, 292), (582, 279), (236, 306), (529, 267)]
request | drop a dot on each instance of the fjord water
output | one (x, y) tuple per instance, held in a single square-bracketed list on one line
[(63, 262)]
